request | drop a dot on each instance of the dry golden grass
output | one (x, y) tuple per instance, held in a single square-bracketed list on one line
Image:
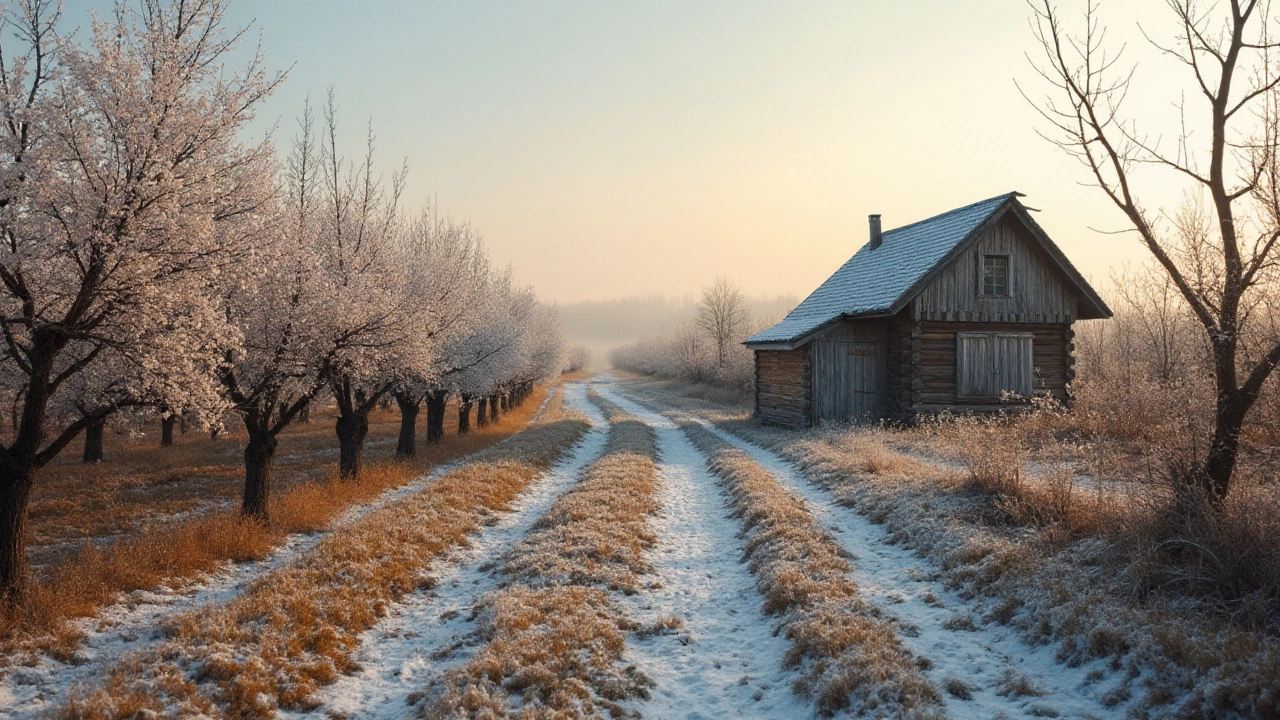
[(94, 575), (843, 646), (554, 637), (1069, 566), (141, 484), (295, 628), (1183, 602)]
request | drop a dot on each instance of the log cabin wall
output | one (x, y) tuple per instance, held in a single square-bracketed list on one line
[(784, 382), (902, 372), (1037, 292), (1052, 357)]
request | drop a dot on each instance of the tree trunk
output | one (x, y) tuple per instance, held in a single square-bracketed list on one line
[(259, 456), (351, 430), (93, 441), (482, 412), (15, 489), (407, 445), (494, 413), (436, 402), (464, 414), (166, 430), (304, 415), (1220, 463)]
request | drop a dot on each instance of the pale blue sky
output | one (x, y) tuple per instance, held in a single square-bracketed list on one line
[(609, 148)]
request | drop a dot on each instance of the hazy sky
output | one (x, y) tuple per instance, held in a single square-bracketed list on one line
[(619, 148)]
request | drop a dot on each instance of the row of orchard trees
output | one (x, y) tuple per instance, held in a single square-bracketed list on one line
[(151, 258)]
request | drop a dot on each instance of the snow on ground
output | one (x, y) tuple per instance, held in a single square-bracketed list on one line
[(984, 657), (132, 624), (431, 632), (725, 661)]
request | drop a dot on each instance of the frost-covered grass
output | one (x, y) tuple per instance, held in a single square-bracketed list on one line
[(1052, 581), (297, 627), (554, 638), (849, 655), (183, 548), (1049, 534)]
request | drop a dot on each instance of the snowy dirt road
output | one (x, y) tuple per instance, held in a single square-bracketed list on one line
[(725, 661), (985, 669), (1002, 675)]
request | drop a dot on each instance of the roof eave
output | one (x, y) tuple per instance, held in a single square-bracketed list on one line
[(804, 338)]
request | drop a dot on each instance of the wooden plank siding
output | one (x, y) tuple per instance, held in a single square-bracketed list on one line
[(1052, 356), (783, 387), (849, 380), (1038, 293)]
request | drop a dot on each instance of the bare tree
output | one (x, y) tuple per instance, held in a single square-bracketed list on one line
[(1159, 323), (722, 313), (1220, 250)]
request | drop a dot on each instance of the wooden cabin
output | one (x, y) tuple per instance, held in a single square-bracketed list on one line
[(964, 312)]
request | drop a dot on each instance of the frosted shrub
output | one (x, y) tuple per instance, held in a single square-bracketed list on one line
[(994, 452)]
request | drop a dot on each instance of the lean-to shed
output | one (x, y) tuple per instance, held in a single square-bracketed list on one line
[(957, 313)]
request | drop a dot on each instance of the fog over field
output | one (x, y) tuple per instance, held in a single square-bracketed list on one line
[(605, 324)]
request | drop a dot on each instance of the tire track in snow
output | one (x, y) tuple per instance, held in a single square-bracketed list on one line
[(725, 661), (899, 582), (133, 623), (430, 632)]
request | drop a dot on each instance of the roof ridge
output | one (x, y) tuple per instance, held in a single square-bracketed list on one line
[(953, 211)]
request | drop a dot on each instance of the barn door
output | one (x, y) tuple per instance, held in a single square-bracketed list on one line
[(975, 366), (990, 364), (864, 380), (848, 381), (1015, 367)]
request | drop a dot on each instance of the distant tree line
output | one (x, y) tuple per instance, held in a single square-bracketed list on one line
[(706, 348)]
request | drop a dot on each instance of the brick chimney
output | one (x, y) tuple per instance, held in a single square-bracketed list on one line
[(876, 236)]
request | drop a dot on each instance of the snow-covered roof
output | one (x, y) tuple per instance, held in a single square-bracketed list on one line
[(882, 280)]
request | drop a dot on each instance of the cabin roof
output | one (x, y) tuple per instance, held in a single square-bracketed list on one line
[(883, 280)]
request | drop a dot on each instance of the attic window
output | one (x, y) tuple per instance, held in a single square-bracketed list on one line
[(995, 275)]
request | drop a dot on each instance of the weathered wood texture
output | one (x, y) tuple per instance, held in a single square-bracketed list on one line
[(1038, 293), (783, 387), (1051, 360), (898, 368), (849, 379), (989, 364)]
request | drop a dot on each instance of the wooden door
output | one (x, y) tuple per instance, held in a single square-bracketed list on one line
[(1015, 366), (848, 381), (975, 366), (989, 364)]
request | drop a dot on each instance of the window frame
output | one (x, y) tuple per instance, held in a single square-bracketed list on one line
[(982, 275)]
